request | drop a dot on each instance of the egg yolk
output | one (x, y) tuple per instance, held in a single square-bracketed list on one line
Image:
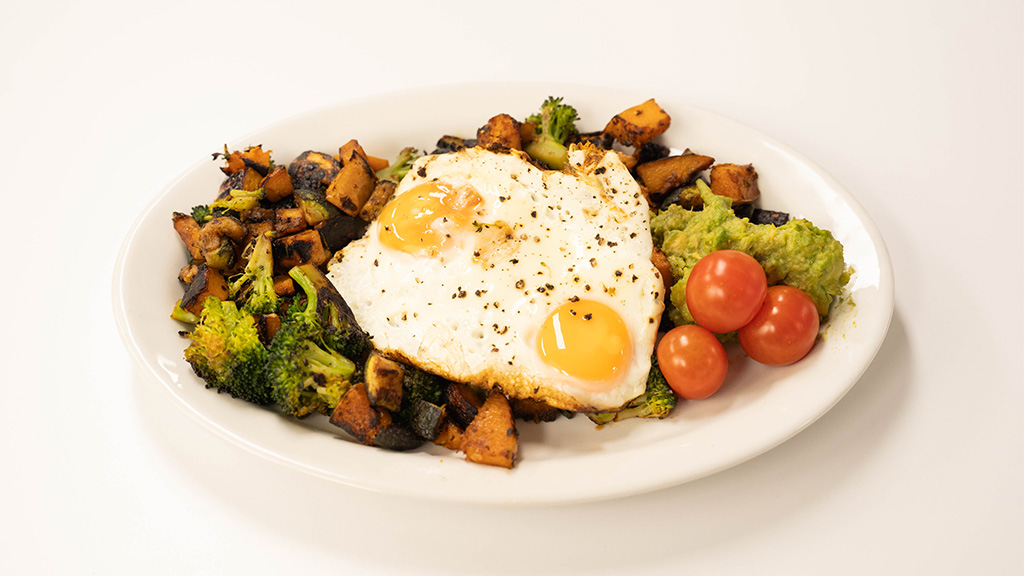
[(587, 341), (424, 219)]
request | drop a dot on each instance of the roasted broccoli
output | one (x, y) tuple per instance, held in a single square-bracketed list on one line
[(307, 374), (657, 402), (556, 122), (202, 214), (254, 286), (395, 172), (227, 353), (422, 401)]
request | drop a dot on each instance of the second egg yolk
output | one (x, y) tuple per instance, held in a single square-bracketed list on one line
[(588, 341)]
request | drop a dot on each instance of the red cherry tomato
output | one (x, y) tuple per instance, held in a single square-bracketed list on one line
[(693, 361), (725, 290), (784, 330)]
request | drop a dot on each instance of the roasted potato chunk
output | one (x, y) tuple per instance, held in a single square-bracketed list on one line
[(354, 414), (502, 132), (661, 176), (313, 170), (353, 184), (306, 247), (277, 184), (492, 438), (639, 124), (735, 181), (205, 282), (289, 221)]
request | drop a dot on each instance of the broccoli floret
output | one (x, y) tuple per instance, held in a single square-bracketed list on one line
[(556, 122), (419, 385), (254, 287), (657, 402), (227, 353), (395, 172), (239, 200), (202, 214), (307, 374)]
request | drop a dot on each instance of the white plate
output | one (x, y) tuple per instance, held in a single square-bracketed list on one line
[(564, 461)]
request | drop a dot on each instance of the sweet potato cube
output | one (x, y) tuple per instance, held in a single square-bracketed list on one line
[(450, 436), (502, 132), (661, 176), (277, 184), (639, 124), (352, 187), (354, 414), (736, 182), (306, 247), (492, 438), (206, 282), (289, 221)]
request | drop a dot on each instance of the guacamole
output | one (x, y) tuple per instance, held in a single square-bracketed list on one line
[(797, 253)]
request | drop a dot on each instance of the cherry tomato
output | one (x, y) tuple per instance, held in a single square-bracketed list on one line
[(725, 290), (784, 330), (693, 361)]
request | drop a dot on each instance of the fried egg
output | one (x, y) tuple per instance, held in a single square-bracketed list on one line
[(487, 270)]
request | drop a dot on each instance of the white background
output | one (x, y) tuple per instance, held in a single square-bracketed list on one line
[(916, 107)]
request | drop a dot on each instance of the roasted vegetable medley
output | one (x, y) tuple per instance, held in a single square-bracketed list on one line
[(265, 325)]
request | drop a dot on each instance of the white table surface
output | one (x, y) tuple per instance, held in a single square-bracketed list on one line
[(916, 107)]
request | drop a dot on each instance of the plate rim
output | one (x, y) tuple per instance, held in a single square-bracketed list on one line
[(886, 287)]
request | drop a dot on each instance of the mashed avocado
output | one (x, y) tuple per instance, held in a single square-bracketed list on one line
[(797, 253)]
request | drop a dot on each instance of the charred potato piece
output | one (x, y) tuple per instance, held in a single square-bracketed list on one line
[(463, 402), (639, 124), (188, 229), (313, 170), (450, 436), (527, 132), (353, 184), (253, 156), (533, 410), (306, 247), (340, 230), (382, 193), (599, 139), (277, 184), (284, 285), (661, 176), (354, 414), (735, 181), (205, 283), (500, 133), (266, 326), (492, 438), (384, 381), (448, 143), (289, 221)]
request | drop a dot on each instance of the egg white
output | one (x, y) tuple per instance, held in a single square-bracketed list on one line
[(472, 313)]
